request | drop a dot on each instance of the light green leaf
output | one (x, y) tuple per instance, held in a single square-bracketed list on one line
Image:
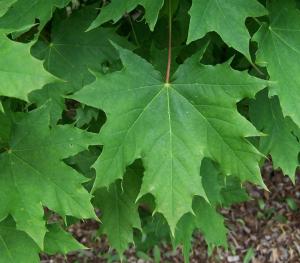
[(59, 241), (20, 73), (227, 18), (15, 245), (23, 13), (117, 8), (33, 174), (266, 114), (120, 211), (172, 127), (279, 50)]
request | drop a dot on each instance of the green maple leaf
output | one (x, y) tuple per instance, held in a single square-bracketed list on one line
[(15, 245), (117, 8), (119, 210), (221, 190), (53, 94), (172, 127), (266, 114), (17, 80), (72, 51), (22, 14), (59, 241), (207, 220), (279, 50), (33, 174), (227, 18)]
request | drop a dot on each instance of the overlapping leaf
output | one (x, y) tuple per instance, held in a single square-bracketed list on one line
[(172, 127), (17, 247), (33, 174), (284, 147), (207, 220), (72, 52), (227, 18), (22, 14), (117, 8), (205, 217), (59, 241), (279, 50), (20, 73), (120, 211)]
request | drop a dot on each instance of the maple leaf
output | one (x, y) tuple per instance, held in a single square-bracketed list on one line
[(33, 174), (17, 247), (172, 127), (117, 8), (72, 51), (284, 147), (22, 14), (227, 18), (217, 186), (59, 241), (119, 210), (16, 79), (279, 50), (207, 220)]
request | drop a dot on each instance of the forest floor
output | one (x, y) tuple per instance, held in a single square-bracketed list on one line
[(263, 230)]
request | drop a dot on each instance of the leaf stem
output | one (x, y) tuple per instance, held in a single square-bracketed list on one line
[(133, 31), (170, 44)]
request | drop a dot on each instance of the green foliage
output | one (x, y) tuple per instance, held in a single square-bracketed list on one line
[(156, 128)]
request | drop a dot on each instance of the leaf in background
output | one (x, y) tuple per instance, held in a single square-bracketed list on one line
[(221, 190), (15, 245), (207, 220), (23, 14), (58, 240), (279, 51), (172, 127), (267, 116), (53, 94), (227, 18), (117, 8), (72, 52), (20, 73), (33, 174), (120, 210)]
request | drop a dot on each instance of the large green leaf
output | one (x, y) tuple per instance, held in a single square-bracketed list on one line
[(227, 18), (172, 127), (33, 174), (279, 50), (117, 8), (284, 147), (20, 73), (23, 14)]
